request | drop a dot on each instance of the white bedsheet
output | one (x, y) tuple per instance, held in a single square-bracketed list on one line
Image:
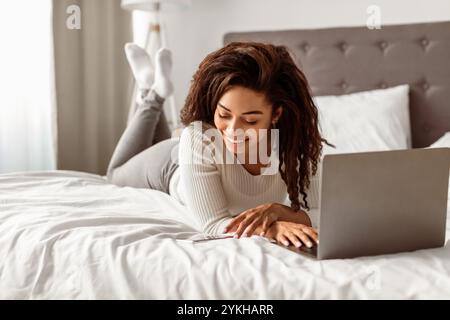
[(71, 235)]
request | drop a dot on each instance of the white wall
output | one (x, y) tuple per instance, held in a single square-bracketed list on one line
[(195, 32)]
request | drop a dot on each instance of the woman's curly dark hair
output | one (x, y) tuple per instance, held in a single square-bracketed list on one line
[(268, 69)]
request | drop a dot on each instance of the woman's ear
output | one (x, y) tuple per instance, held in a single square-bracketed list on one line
[(277, 114)]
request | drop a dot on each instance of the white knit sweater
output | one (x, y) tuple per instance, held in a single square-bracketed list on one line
[(213, 191)]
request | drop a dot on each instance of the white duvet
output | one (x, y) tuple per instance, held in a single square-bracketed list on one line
[(71, 235)]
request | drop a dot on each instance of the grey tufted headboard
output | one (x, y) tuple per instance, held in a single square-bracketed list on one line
[(344, 60)]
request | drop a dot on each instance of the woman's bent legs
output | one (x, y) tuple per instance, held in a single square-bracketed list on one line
[(152, 168), (135, 161)]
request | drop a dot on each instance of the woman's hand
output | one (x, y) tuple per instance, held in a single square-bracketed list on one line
[(255, 219), (258, 220), (284, 232)]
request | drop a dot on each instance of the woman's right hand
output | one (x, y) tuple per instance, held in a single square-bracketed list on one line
[(285, 232)]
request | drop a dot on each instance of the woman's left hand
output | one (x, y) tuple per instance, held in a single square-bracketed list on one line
[(261, 218)]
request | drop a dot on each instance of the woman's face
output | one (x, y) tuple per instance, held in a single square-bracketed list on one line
[(239, 111)]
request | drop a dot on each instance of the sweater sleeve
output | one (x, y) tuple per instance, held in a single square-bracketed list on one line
[(201, 182)]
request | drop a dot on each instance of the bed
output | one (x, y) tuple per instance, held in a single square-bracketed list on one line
[(72, 235)]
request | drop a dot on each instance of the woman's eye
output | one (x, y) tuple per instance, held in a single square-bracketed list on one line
[(248, 122)]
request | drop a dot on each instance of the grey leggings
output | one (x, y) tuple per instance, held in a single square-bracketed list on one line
[(143, 157)]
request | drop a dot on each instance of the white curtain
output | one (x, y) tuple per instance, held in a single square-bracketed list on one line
[(26, 87), (93, 83)]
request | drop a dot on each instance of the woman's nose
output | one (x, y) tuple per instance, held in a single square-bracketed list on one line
[(234, 131)]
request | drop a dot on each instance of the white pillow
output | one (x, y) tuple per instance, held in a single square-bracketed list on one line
[(442, 142), (366, 121)]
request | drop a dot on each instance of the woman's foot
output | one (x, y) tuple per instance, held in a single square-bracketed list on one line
[(163, 86), (146, 77), (141, 65)]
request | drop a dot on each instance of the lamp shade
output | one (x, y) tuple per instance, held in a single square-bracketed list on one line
[(154, 5)]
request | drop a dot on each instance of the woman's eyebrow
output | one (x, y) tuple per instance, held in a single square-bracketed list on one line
[(250, 112)]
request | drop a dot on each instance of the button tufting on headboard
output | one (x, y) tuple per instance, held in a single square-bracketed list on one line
[(424, 42), (305, 47), (382, 85), (343, 46), (383, 45), (425, 86)]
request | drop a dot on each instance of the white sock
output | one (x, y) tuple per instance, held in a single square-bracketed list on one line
[(163, 67), (141, 65)]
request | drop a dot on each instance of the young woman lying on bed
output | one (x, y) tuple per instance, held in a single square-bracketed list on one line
[(247, 93)]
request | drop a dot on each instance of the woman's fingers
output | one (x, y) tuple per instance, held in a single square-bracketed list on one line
[(311, 234), (243, 215), (268, 221), (234, 222), (305, 239), (313, 230), (282, 239), (265, 226), (244, 224), (248, 232), (265, 221), (293, 239)]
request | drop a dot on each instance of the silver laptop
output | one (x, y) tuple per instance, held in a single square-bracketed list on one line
[(384, 202)]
